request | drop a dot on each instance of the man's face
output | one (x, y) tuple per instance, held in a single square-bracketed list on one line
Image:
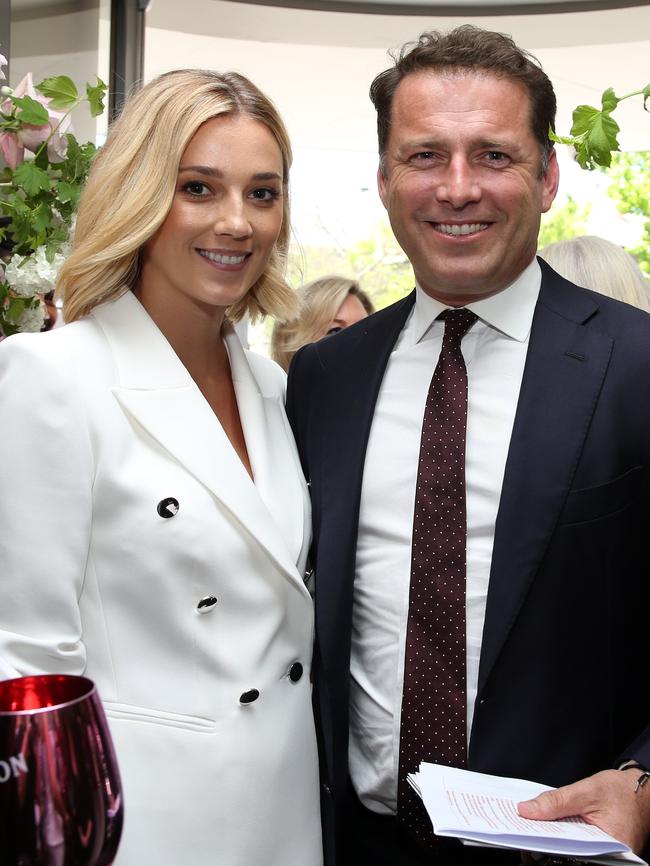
[(461, 182)]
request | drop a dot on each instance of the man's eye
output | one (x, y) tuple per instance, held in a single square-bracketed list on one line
[(495, 156), (423, 156)]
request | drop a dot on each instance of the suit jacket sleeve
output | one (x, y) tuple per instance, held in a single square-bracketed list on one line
[(295, 405), (45, 511)]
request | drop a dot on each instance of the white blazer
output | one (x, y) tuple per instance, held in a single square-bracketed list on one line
[(175, 611)]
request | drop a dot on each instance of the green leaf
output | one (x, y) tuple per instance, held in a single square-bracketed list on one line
[(18, 204), (67, 191), (583, 119), (31, 111), (42, 218), (597, 131), (646, 96), (16, 309), (610, 100), (61, 91), (602, 138), (95, 96), (41, 158), (31, 178)]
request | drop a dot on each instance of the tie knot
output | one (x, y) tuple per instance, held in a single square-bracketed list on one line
[(457, 322)]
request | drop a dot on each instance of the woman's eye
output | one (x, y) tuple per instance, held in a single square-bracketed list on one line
[(333, 330), (265, 194), (196, 188)]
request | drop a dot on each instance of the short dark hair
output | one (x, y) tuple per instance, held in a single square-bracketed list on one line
[(469, 49)]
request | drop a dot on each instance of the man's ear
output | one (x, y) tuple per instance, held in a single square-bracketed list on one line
[(551, 181), (382, 186)]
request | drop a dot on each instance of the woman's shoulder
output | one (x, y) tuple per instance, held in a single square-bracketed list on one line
[(70, 353), (62, 341)]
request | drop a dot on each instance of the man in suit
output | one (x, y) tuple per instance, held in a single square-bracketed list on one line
[(480, 578)]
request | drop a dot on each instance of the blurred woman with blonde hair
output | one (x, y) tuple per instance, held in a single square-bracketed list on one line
[(326, 305), (172, 522), (598, 264)]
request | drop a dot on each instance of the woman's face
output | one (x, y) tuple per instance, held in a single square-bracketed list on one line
[(225, 218), (350, 311)]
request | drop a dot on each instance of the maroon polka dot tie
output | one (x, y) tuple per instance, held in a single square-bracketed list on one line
[(434, 705)]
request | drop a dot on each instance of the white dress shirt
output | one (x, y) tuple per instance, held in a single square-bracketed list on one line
[(495, 353)]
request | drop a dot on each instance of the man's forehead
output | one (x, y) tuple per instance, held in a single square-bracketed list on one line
[(427, 79), (422, 97)]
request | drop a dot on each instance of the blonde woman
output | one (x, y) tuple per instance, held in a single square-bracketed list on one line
[(161, 549), (327, 305), (598, 264)]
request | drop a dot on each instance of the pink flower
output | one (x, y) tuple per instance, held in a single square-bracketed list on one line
[(32, 137), (12, 149)]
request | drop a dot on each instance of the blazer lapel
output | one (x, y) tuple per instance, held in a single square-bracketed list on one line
[(157, 392), (274, 459), (564, 372)]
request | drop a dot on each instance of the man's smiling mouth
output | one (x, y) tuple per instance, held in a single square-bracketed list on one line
[(456, 229)]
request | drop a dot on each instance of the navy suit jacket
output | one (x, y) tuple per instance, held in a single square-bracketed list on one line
[(564, 678)]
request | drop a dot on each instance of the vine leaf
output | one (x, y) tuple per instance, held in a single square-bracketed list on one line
[(95, 95), (61, 91), (31, 178), (31, 111)]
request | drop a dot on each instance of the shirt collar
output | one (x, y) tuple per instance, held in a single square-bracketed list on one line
[(510, 310)]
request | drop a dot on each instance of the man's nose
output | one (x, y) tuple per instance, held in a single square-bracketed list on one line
[(459, 184)]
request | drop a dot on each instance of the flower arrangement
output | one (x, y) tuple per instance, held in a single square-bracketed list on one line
[(44, 172)]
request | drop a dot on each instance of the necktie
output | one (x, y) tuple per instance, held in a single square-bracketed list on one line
[(434, 705)]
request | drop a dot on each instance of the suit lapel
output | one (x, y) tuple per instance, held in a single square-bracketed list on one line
[(159, 395), (354, 394), (345, 415), (564, 372)]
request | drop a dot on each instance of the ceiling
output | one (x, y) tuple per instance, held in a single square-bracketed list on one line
[(317, 65)]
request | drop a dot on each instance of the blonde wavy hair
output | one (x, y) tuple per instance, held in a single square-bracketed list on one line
[(132, 182), (598, 264), (318, 302)]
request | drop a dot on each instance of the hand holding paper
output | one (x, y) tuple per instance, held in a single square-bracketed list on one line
[(482, 809), (607, 800)]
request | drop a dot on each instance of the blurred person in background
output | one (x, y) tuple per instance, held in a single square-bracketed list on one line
[(327, 305), (598, 264)]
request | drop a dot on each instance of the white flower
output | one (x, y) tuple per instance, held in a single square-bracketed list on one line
[(3, 62), (33, 275), (32, 320)]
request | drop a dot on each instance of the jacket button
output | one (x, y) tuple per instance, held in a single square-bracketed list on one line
[(168, 507), (327, 790), (295, 672), (249, 696), (206, 604)]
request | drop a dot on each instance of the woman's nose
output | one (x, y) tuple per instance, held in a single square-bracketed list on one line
[(459, 184), (231, 219)]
